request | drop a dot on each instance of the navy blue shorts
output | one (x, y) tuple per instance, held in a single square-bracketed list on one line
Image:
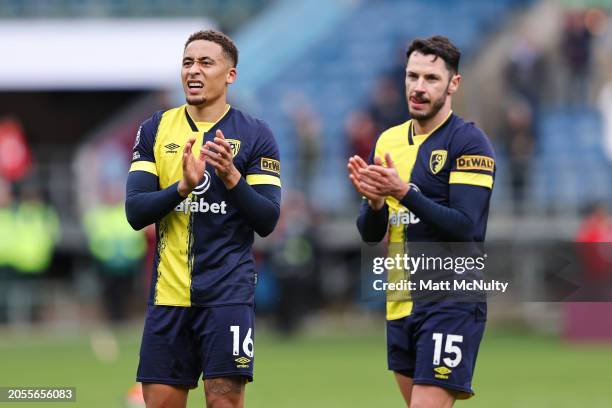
[(179, 344), (438, 345)]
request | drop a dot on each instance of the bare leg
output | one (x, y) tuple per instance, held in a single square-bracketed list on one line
[(431, 396), (227, 392), (164, 396), (405, 386)]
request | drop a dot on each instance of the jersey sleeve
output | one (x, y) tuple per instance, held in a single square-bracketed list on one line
[(473, 160), (264, 163), (143, 156)]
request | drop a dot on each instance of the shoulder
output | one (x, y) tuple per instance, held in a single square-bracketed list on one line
[(150, 125), (244, 119), (469, 137), (254, 126)]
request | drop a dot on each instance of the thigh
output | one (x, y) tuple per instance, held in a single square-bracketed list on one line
[(227, 336), (405, 385), (169, 353), (431, 396), (164, 396), (224, 392), (447, 347)]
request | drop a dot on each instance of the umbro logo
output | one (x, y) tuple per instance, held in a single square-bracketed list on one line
[(171, 147)]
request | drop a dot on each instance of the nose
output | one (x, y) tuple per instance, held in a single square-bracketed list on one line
[(193, 69), (419, 85)]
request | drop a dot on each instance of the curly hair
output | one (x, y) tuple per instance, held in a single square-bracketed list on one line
[(229, 48)]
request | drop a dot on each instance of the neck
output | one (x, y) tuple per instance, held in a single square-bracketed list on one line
[(422, 127), (207, 112)]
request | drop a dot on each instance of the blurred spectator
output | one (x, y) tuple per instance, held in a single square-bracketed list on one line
[(15, 155), (117, 250), (7, 226), (360, 131), (294, 261), (519, 143), (307, 127), (36, 232), (30, 231), (592, 320), (389, 105), (525, 72), (576, 53)]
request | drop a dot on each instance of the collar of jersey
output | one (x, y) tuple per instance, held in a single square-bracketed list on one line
[(411, 134), (207, 126)]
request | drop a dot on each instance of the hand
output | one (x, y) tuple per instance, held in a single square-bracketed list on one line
[(355, 165), (219, 154), (193, 169), (383, 181)]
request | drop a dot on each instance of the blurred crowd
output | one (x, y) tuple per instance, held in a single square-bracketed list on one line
[(296, 269)]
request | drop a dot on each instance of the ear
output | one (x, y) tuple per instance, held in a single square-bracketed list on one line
[(453, 86), (231, 76)]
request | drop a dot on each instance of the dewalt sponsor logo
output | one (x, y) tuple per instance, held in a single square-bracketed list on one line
[(471, 162), (270, 165)]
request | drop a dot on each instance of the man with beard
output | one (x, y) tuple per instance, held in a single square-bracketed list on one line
[(429, 180), (208, 176)]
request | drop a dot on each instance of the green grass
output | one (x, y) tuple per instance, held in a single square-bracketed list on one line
[(335, 370)]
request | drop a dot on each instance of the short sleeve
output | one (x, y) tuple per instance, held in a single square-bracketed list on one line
[(264, 163), (143, 155), (473, 159)]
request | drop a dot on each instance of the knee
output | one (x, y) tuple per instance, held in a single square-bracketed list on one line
[(223, 401)]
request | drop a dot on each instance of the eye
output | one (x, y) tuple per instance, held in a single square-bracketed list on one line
[(187, 63)]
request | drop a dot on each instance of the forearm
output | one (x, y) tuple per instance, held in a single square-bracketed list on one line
[(452, 222), (144, 204), (372, 224), (259, 205)]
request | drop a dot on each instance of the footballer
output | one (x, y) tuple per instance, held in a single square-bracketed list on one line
[(439, 169), (208, 176)]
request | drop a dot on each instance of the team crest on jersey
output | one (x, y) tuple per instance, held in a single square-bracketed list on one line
[(235, 145), (437, 160)]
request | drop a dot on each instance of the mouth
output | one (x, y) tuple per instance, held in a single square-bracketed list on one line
[(194, 87), (418, 102)]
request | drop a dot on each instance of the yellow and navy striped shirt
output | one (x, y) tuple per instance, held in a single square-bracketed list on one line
[(203, 255), (454, 153)]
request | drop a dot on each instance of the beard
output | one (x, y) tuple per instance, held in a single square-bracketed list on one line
[(195, 100), (436, 105)]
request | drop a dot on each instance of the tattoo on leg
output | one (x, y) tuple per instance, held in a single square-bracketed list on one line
[(223, 386)]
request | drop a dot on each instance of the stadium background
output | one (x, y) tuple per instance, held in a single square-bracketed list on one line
[(77, 78)]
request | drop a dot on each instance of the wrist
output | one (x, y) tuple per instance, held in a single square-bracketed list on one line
[(232, 179), (401, 193), (183, 189), (377, 204)]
